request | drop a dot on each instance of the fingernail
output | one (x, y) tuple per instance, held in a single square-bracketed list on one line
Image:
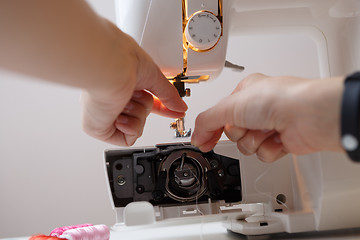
[(137, 94), (193, 142), (266, 130), (130, 106), (244, 149), (122, 120), (277, 139), (185, 106), (260, 158)]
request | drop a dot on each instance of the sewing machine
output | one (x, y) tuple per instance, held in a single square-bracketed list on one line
[(188, 40)]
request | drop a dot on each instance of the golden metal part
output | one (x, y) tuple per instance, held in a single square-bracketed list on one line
[(187, 92), (173, 125), (184, 22), (194, 79), (179, 126)]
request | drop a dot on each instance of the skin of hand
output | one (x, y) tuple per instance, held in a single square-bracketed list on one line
[(273, 116), (66, 42), (118, 114)]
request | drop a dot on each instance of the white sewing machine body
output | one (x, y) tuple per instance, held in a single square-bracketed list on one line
[(315, 192)]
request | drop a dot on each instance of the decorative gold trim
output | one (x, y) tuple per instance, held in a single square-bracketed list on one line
[(189, 80), (184, 22)]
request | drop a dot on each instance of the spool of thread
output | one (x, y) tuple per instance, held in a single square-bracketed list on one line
[(58, 231), (97, 232)]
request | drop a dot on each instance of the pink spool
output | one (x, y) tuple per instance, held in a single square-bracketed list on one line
[(58, 231), (97, 232)]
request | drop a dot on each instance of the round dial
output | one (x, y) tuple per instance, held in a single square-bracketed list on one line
[(203, 30)]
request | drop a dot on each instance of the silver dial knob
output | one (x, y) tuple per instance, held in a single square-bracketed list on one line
[(203, 30)]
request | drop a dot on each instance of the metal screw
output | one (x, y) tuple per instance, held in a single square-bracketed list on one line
[(121, 180), (188, 92), (173, 125), (157, 195), (140, 189), (221, 173), (214, 164)]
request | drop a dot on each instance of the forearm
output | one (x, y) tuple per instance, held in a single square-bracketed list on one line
[(61, 41)]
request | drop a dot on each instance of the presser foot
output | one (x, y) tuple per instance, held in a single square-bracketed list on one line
[(179, 127), (183, 134)]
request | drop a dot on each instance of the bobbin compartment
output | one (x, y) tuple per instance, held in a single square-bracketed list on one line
[(170, 174), (173, 176)]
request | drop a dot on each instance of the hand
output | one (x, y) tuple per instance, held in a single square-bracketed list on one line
[(116, 114), (84, 50), (272, 116)]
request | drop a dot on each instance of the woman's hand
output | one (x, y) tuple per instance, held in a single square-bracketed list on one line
[(84, 50), (272, 116), (117, 112)]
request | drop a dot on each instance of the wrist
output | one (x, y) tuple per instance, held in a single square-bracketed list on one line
[(332, 90), (317, 113)]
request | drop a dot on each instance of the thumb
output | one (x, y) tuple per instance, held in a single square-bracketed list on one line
[(167, 93), (153, 80), (209, 123)]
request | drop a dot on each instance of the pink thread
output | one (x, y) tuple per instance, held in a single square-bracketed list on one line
[(58, 231), (97, 232)]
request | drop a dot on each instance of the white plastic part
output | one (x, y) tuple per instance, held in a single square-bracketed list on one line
[(139, 213), (157, 26), (203, 30)]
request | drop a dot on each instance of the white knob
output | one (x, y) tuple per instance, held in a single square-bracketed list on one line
[(139, 213), (203, 30)]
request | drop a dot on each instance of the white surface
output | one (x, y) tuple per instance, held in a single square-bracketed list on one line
[(208, 231), (199, 231), (51, 173)]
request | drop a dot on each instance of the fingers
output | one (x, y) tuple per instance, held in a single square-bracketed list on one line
[(248, 80), (210, 144), (130, 127), (266, 144), (143, 98), (271, 149), (242, 115), (151, 78), (160, 109), (251, 141), (234, 133), (209, 123), (132, 120), (230, 111)]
